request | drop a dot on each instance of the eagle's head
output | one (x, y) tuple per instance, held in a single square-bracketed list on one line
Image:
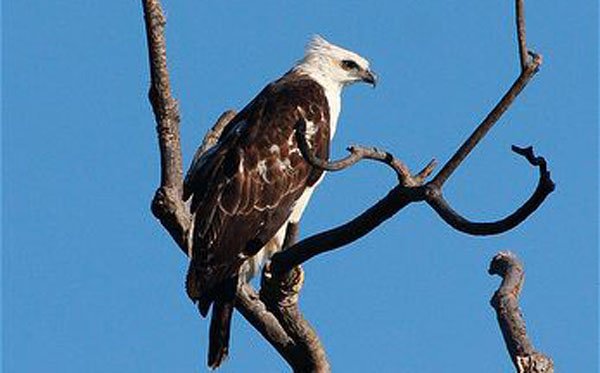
[(331, 64)]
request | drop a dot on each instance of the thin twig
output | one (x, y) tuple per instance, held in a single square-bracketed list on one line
[(213, 135), (489, 121), (357, 153), (210, 139), (506, 303), (521, 40)]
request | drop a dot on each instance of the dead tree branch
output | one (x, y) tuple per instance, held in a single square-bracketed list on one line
[(248, 303), (167, 205), (411, 188), (358, 153), (276, 315), (281, 295), (530, 63), (490, 120), (506, 304), (274, 312), (544, 187)]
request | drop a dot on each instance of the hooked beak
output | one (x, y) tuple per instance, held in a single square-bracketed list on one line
[(369, 77)]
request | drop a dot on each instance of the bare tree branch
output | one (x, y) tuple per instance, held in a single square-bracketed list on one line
[(281, 298), (276, 315), (528, 69), (248, 303), (344, 234), (506, 303), (411, 188), (545, 186), (167, 205), (521, 40), (281, 295), (358, 153)]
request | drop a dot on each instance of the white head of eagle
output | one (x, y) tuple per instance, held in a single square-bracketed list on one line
[(332, 65), (255, 181)]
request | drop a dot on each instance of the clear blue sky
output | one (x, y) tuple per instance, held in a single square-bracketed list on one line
[(92, 283)]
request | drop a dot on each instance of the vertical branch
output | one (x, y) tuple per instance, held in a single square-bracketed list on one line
[(164, 105), (506, 303), (167, 204), (521, 40)]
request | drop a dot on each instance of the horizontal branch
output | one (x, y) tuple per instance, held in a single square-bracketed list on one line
[(349, 232), (544, 187), (510, 319)]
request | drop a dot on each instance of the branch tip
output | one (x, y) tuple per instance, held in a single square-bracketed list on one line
[(510, 318), (501, 263)]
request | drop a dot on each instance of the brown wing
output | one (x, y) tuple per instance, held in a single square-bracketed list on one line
[(245, 188)]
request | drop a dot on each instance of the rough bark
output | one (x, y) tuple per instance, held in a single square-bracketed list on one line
[(510, 318)]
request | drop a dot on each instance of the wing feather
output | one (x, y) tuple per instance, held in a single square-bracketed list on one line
[(245, 188)]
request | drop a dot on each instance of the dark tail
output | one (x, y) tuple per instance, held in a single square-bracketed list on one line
[(220, 323)]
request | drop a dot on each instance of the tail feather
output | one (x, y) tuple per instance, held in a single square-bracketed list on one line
[(222, 298), (220, 327), (204, 305)]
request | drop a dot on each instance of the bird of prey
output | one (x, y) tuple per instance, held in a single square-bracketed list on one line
[(247, 188)]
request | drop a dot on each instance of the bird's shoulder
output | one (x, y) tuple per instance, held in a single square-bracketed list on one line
[(269, 119)]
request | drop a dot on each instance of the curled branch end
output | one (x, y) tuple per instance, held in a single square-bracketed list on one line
[(435, 199)]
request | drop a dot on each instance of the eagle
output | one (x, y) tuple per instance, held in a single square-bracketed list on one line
[(246, 189)]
